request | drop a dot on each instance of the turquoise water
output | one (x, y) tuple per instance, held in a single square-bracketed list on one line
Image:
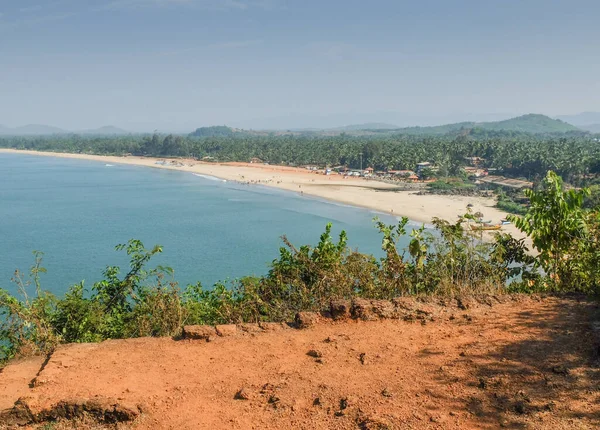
[(76, 211)]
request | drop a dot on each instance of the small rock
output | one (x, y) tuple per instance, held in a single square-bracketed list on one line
[(482, 383), (340, 309), (242, 394), (362, 309), (317, 402), (226, 330), (273, 399), (462, 354), (306, 319), (384, 309), (464, 303), (314, 353), (344, 403), (374, 423), (386, 393), (363, 358), (199, 332)]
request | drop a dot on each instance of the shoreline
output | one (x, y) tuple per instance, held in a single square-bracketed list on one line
[(378, 196)]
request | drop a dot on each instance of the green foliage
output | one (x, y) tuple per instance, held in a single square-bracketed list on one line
[(558, 227), (157, 311), (592, 201), (116, 307), (25, 326), (511, 207), (222, 305), (507, 204), (449, 185)]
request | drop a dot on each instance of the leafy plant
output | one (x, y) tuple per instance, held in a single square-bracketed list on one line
[(25, 326), (556, 222)]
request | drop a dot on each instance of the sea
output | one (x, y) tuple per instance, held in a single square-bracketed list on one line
[(77, 211)]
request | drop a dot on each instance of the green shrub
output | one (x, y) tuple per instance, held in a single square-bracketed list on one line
[(511, 207), (25, 322)]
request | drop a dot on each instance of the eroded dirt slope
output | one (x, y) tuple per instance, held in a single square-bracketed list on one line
[(530, 363)]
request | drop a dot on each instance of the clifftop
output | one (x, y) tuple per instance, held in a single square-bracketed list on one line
[(475, 365)]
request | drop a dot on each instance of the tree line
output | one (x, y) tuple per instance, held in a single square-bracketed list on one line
[(572, 156)]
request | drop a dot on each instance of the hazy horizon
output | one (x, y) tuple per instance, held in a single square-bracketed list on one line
[(175, 65)]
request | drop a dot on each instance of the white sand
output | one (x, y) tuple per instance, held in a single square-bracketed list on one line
[(352, 191)]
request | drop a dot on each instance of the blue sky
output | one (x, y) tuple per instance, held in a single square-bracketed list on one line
[(181, 64)]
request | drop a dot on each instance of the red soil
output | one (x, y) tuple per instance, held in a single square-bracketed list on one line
[(524, 364)]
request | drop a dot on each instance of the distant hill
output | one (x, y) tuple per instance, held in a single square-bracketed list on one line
[(367, 126), (592, 128), (32, 129), (581, 120), (530, 123), (107, 130), (438, 129), (213, 131)]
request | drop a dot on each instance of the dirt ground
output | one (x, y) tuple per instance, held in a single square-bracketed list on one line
[(531, 363)]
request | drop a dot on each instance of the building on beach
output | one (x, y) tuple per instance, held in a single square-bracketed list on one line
[(475, 171)]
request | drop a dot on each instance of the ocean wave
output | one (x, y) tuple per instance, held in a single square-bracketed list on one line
[(211, 178)]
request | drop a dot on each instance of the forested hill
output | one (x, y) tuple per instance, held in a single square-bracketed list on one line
[(530, 124), (214, 131)]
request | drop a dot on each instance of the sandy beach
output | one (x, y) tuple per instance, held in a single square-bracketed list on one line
[(370, 194)]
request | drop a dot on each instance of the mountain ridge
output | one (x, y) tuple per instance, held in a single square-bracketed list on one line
[(529, 123)]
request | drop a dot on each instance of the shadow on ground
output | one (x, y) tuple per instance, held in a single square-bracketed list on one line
[(543, 373)]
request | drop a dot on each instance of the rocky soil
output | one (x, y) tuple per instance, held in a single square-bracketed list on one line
[(519, 362)]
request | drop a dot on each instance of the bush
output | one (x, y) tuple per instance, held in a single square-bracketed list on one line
[(511, 207), (25, 322)]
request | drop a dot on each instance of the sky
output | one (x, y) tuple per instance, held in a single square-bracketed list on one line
[(175, 65)]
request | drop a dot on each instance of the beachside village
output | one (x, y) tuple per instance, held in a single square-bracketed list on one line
[(426, 172)]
